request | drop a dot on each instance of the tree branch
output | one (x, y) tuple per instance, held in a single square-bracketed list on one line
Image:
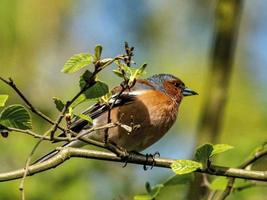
[(230, 184), (89, 84), (67, 153), (34, 110)]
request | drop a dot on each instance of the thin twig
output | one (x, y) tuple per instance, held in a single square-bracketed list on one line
[(254, 158), (56, 125), (28, 161), (28, 132), (89, 84), (66, 153), (76, 136), (230, 184), (34, 110), (106, 126), (125, 85)]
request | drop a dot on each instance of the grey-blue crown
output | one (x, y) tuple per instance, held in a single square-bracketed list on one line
[(158, 80)]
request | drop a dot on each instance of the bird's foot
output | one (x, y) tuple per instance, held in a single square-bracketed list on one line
[(126, 156), (131, 156), (119, 151), (150, 160)]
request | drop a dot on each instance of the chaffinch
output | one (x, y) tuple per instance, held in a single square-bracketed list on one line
[(152, 104)]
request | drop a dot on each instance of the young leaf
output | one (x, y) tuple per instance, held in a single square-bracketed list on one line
[(118, 73), (15, 116), (141, 71), (106, 98), (3, 99), (179, 179), (258, 148), (70, 111), (77, 62), (203, 153), (129, 70), (59, 103), (150, 196), (143, 197), (136, 73), (99, 89), (81, 99), (220, 148), (98, 52), (86, 117), (123, 67), (78, 101), (185, 166), (85, 78), (172, 181)]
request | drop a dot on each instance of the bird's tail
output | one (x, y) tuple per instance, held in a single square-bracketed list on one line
[(55, 152)]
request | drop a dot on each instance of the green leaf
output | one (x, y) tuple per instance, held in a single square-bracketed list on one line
[(152, 195), (118, 73), (123, 67), (99, 89), (178, 180), (219, 183), (78, 101), (98, 52), (136, 73), (87, 75), (155, 191), (203, 153), (59, 103), (185, 166), (220, 148), (172, 181), (70, 111), (3, 99), (141, 71), (15, 116), (258, 148), (86, 117), (77, 62), (81, 99), (143, 197)]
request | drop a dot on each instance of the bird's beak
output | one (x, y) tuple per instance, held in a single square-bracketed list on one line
[(189, 92)]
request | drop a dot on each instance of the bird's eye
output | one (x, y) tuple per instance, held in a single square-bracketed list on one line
[(179, 85)]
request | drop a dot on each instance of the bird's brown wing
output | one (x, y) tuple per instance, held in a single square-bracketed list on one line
[(98, 109)]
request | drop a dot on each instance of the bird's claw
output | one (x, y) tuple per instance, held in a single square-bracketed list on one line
[(152, 157), (125, 159)]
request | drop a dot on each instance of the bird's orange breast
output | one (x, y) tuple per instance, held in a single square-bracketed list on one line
[(154, 113)]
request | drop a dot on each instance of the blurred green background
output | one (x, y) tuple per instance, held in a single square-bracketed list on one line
[(37, 37)]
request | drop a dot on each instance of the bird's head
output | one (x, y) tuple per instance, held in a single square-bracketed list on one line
[(172, 86)]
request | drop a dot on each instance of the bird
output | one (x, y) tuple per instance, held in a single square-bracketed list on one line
[(151, 105)]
